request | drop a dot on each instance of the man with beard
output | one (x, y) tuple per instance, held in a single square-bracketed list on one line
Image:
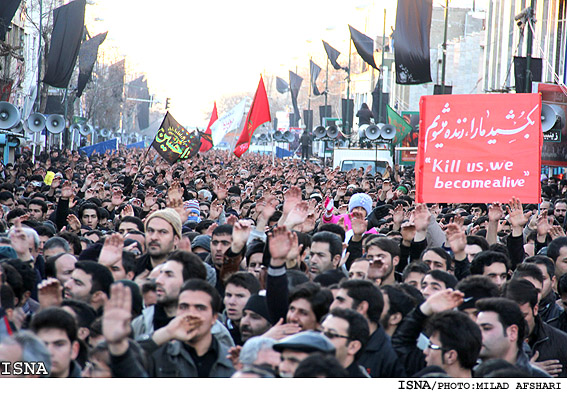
[(238, 289), (163, 232), (384, 254), (90, 282), (255, 319), (559, 211)]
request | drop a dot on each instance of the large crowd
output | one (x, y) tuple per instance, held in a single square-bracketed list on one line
[(216, 266)]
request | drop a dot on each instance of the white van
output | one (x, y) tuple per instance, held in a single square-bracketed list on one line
[(348, 158)]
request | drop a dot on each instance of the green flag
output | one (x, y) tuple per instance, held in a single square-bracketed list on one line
[(399, 123)]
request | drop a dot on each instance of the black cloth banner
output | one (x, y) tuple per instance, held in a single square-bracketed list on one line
[(376, 104), (332, 54), (314, 72), (294, 86), (281, 85), (411, 42), (138, 88), (520, 66), (175, 143), (87, 58), (350, 115), (364, 46), (324, 112), (308, 119), (68, 22), (7, 12)]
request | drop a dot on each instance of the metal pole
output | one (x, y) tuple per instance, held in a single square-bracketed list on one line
[(65, 131), (445, 47), (381, 81), (38, 95), (345, 121), (529, 49)]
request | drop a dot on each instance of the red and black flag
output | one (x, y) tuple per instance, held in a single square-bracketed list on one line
[(173, 142), (207, 136), (411, 41)]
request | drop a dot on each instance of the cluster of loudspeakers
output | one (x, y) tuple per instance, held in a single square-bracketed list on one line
[(377, 131), (331, 132), (10, 120), (286, 136)]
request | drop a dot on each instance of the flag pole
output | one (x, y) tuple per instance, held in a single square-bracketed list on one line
[(345, 121), (142, 164)]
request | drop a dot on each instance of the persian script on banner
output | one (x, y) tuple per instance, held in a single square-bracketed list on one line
[(173, 142), (479, 148)]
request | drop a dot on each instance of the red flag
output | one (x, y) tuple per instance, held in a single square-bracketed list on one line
[(258, 115), (205, 143)]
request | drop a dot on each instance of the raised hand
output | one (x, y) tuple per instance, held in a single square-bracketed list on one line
[(556, 232), (280, 241), (421, 217), (73, 223), (281, 330), (176, 203), (111, 251), (49, 293), (495, 212), (175, 191), (117, 314), (543, 225), (359, 226), (297, 215), (456, 238), (117, 197), (292, 197), (240, 233), (66, 190), (442, 301), (128, 210), (215, 210)]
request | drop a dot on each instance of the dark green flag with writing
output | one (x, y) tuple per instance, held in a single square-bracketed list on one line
[(173, 142), (399, 123)]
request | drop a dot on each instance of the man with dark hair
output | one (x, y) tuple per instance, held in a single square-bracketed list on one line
[(475, 287), (89, 215), (397, 304), (503, 329), (413, 274), (364, 297), (494, 265), (557, 251), (325, 253), (320, 366), (129, 223), (548, 342), (532, 273), (185, 347), (384, 254), (437, 259), (548, 308), (90, 282), (454, 343), (238, 289), (348, 331), (55, 246), (37, 209), (58, 331), (308, 303), (435, 281), (221, 241), (475, 245)]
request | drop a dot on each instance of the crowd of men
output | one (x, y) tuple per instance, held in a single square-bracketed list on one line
[(262, 267)]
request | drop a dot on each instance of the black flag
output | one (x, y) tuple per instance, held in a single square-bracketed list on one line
[(68, 22), (294, 86), (7, 12), (175, 143), (281, 85), (364, 46), (332, 54), (315, 70), (411, 42), (87, 58)]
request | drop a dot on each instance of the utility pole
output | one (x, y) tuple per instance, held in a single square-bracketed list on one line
[(445, 47), (529, 20)]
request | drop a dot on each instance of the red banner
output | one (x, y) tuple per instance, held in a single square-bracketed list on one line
[(479, 148)]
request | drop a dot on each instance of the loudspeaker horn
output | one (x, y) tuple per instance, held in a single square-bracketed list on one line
[(9, 115), (342, 143), (278, 135), (372, 132), (36, 122), (55, 124), (319, 132), (18, 128), (75, 128), (253, 140), (550, 113), (288, 135), (388, 132), (262, 137), (104, 133), (332, 131), (86, 130)]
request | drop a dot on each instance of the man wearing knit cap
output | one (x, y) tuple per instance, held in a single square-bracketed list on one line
[(255, 319), (359, 203), (163, 232)]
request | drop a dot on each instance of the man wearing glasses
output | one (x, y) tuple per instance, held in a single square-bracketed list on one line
[(348, 331)]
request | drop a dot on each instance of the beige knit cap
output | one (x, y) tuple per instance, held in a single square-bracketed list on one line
[(170, 216)]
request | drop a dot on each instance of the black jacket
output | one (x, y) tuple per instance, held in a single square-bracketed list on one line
[(550, 343), (405, 339), (379, 357), (171, 360), (548, 308), (355, 370)]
